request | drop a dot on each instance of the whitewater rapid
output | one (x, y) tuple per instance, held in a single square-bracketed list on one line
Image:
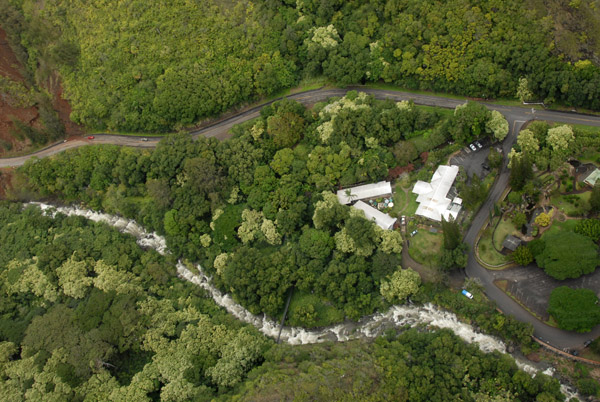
[(368, 327)]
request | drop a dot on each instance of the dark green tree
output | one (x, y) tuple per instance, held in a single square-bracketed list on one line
[(574, 309)]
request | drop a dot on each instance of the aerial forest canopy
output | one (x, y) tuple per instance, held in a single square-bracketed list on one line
[(259, 211), (140, 66)]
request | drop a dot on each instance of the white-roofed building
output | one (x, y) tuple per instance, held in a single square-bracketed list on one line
[(349, 195), (433, 203), (382, 220)]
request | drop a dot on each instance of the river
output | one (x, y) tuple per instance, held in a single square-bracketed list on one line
[(367, 327)]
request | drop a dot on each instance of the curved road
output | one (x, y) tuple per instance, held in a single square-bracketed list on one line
[(516, 117)]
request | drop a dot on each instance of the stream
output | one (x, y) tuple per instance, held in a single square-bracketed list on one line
[(369, 326)]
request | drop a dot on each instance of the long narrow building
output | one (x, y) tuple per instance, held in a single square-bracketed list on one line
[(373, 190)]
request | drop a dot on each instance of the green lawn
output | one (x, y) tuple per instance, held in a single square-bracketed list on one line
[(572, 208), (568, 225), (400, 200), (425, 248), (487, 253), (412, 204), (505, 227)]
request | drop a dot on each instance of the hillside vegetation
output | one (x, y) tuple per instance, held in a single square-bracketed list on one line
[(138, 66)]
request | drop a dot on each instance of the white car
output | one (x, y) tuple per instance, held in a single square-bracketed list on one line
[(467, 294), (473, 148), (478, 144)]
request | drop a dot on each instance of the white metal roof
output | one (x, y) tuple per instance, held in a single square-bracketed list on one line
[(382, 220), (366, 191), (432, 200)]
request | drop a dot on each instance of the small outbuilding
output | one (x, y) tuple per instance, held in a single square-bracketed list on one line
[(593, 177), (511, 242), (382, 220)]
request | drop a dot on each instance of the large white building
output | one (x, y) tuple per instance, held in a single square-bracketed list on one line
[(382, 220), (349, 195), (433, 203)]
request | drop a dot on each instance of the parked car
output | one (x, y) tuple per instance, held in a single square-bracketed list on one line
[(587, 343), (403, 220), (478, 144), (467, 294), (473, 148), (485, 166), (414, 232), (91, 137)]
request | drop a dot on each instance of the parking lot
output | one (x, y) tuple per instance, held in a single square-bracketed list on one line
[(532, 287), (473, 161)]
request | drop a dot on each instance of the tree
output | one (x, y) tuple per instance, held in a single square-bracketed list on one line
[(567, 255), (595, 199), (559, 138), (522, 256), (469, 122), (497, 126), (72, 277), (542, 219), (519, 219), (452, 236), (405, 152), (316, 244), (286, 129), (524, 94), (391, 242), (520, 172), (589, 228), (251, 225), (495, 158), (402, 284), (574, 309), (527, 141)]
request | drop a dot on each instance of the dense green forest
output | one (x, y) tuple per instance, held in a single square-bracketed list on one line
[(87, 315), (258, 211), (138, 66)]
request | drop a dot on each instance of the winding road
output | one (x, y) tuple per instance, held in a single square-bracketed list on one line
[(516, 117)]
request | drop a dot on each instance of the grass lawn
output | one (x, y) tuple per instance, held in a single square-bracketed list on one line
[(400, 200), (412, 204), (425, 248), (486, 250), (568, 225), (572, 208), (446, 113), (505, 228), (309, 311)]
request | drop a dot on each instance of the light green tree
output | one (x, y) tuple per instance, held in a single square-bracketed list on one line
[(527, 141), (391, 242), (72, 277), (402, 284), (559, 138), (497, 125), (270, 231), (251, 224), (523, 92), (30, 279), (110, 279)]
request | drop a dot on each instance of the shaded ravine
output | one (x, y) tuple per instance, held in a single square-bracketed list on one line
[(369, 326)]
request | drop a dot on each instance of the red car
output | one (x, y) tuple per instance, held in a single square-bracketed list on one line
[(91, 137)]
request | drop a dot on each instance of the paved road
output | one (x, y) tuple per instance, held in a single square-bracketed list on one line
[(516, 117)]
